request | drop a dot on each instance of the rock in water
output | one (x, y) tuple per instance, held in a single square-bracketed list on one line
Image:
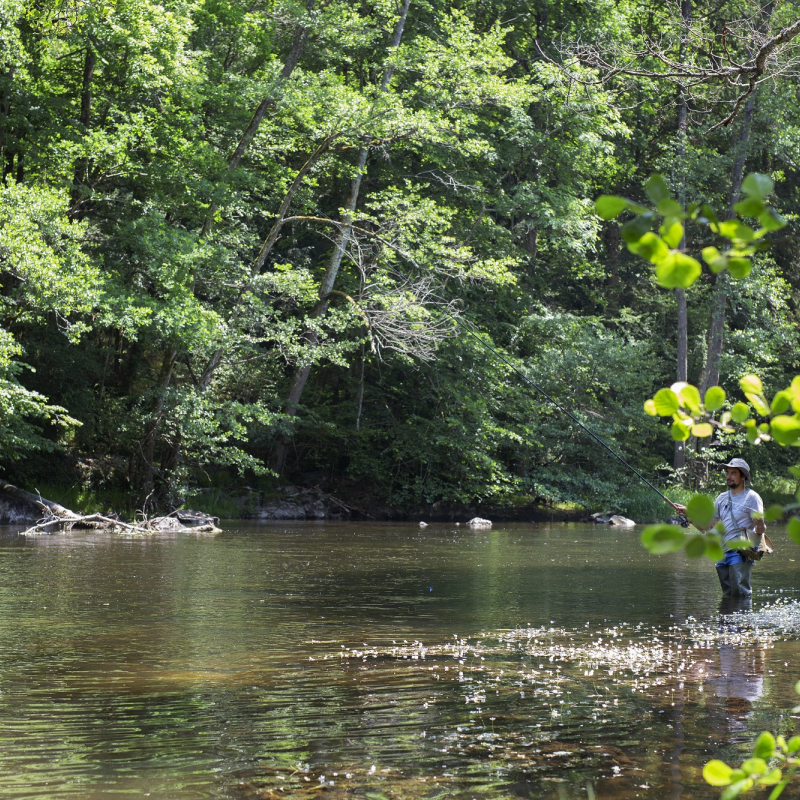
[(623, 522), (423, 524), (477, 522)]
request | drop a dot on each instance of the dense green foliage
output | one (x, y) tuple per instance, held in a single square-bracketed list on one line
[(233, 237)]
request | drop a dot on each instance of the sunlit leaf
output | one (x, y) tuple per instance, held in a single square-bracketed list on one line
[(651, 247), (672, 235), (759, 403), (702, 431), (780, 402), (740, 412), (717, 773), (757, 765), (689, 397), (669, 208), (752, 384), (714, 398), (677, 271), (680, 431), (771, 220), (793, 529), (757, 185), (634, 229), (770, 778), (714, 549), (749, 207), (773, 513), (700, 510), (735, 789), (739, 267), (650, 408), (609, 206), (666, 402), (786, 430), (793, 745), (660, 539), (765, 748), (656, 188), (696, 546)]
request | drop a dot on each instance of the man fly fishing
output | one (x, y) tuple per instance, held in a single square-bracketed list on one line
[(741, 512)]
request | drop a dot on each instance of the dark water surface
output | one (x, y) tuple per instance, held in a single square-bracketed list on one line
[(382, 661)]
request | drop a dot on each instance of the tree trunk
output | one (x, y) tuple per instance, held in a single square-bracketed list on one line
[(682, 344), (299, 41), (302, 374), (80, 176)]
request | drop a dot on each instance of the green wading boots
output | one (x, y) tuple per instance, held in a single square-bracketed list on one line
[(740, 579), (724, 575)]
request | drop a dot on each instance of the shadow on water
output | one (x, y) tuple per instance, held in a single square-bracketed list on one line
[(381, 661)]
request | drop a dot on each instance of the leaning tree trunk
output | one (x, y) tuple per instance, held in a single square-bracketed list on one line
[(300, 378), (147, 454)]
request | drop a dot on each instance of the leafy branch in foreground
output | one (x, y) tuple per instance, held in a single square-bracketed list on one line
[(774, 760)]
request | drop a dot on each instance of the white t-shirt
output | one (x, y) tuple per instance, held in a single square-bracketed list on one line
[(736, 512)]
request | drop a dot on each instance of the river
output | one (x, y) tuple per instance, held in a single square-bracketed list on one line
[(298, 660)]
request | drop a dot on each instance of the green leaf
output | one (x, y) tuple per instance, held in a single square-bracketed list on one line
[(696, 546), (739, 267), (714, 398), (650, 408), (765, 748), (757, 766), (786, 430), (677, 271), (707, 214), (714, 549), (771, 220), (771, 778), (650, 246), (759, 403), (703, 430), (793, 744), (735, 789), (666, 402), (780, 402), (634, 229), (700, 510), (609, 206), (751, 383), (736, 231), (757, 185), (661, 539), (793, 529), (740, 412), (749, 207), (751, 434), (680, 431), (669, 207), (773, 513), (672, 235), (717, 773), (689, 397), (795, 471), (656, 189)]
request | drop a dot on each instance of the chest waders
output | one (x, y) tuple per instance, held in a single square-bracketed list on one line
[(735, 578)]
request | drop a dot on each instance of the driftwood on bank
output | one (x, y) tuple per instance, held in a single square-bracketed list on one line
[(58, 519)]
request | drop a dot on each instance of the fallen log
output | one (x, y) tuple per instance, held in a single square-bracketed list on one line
[(58, 519)]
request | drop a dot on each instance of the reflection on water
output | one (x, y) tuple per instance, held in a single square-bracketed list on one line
[(381, 661)]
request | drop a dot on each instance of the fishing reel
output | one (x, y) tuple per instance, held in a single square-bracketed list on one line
[(684, 522)]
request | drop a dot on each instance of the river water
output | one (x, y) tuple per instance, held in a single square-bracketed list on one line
[(299, 660)]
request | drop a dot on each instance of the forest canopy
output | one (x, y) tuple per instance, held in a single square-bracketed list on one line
[(240, 242)]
